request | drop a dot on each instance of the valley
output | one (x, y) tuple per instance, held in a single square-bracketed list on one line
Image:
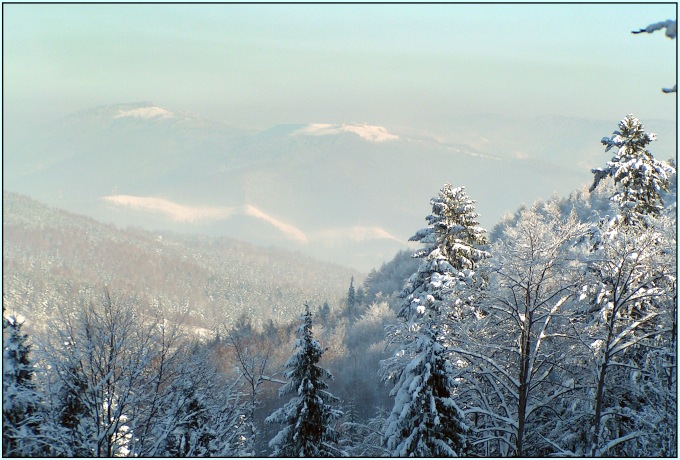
[(345, 193)]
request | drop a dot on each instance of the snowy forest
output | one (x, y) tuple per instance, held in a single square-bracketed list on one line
[(554, 333)]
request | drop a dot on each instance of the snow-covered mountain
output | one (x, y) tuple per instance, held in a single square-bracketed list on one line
[(347, 192), (364, 131)]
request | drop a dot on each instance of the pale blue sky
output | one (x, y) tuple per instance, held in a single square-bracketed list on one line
[(391, 65)]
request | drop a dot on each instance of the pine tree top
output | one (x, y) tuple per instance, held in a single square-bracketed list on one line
[(307, 417), (638, 176), (453, 230)]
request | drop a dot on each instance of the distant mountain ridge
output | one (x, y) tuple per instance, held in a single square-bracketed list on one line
[(357, 191)]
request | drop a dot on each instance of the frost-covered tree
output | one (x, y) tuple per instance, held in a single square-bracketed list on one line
[(73, 426), (369, 440), (20, 416), (425, 420), (324, 313), (95, 365), (640, 179), (349, 436), (121, 385), (309, 415), (513, 357), (389, 280), (203, 415), (352, 306), (629, 331), (113, 369), (351, 295), (192, 435), (252, 359), (454, 244), (632, 286)]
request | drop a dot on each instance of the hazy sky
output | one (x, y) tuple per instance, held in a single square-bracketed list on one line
[(393, 65)]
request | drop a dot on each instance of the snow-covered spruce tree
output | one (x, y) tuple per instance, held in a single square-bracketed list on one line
[(308, 417), (635, 305), (639, 177), (352, 313), (454, 244), (20, 417), (425, 421)]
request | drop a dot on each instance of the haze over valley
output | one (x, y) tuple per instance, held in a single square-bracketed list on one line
[(348, 193)]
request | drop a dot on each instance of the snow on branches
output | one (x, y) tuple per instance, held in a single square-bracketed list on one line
[(425, 420), (638, 176), (671, 26), (308, 416)]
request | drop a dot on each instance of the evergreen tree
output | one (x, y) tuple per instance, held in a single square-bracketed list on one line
[(629, 292), (20, 418), (351, 302), (425, 420), (350, 434), (454, 245), (639, 177), (360, 296), (324, 312), (308, 416)]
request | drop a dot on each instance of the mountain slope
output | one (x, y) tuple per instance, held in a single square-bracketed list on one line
[(352, 193), (50, 257)]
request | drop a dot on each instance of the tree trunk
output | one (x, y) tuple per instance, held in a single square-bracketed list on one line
[(599, 396), (525, 349)]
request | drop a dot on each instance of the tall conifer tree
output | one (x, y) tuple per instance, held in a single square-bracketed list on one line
[(308, 417), (425, 420), (639, 177), (20, 418)]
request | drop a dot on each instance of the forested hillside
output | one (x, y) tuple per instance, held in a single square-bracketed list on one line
[(51, 257)]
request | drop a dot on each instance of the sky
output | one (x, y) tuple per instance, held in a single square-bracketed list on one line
[(401, 66)]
